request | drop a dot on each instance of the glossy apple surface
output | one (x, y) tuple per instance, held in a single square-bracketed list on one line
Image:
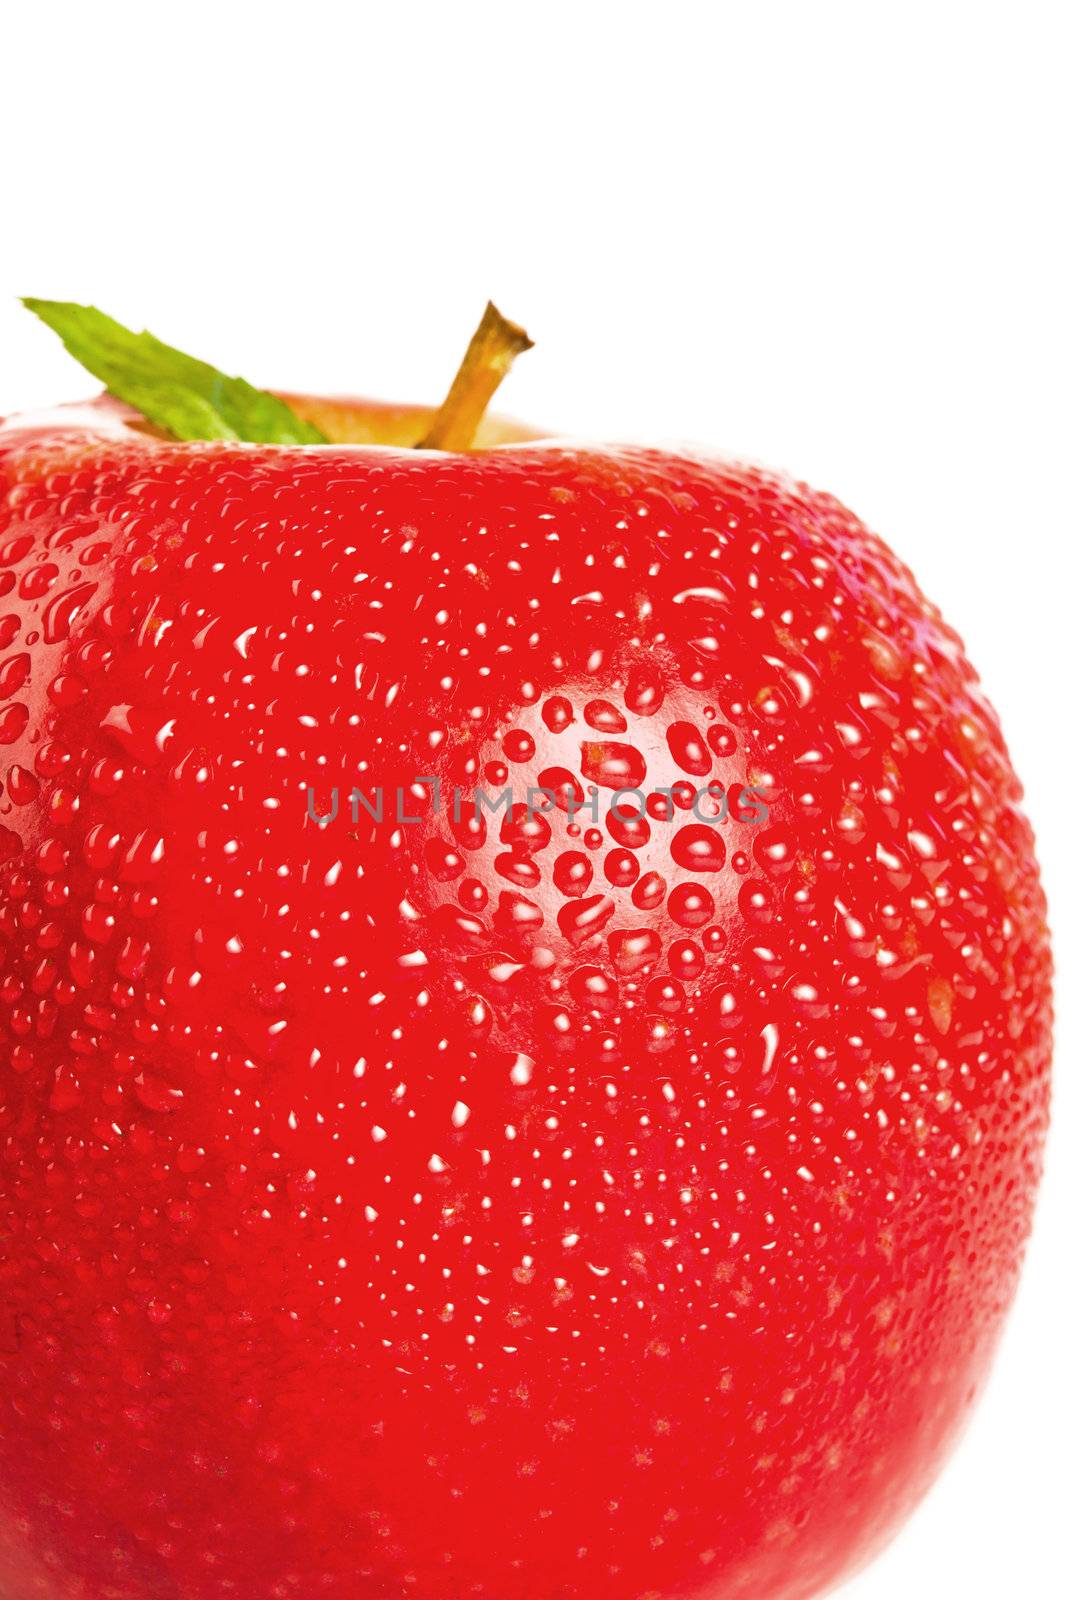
[(532, 1207)]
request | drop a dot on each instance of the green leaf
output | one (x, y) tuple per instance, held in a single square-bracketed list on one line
[(186, 397)]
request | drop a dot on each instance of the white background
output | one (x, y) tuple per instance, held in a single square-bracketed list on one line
[(825, 235)]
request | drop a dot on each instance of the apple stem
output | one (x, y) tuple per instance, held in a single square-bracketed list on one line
[(488, 360)]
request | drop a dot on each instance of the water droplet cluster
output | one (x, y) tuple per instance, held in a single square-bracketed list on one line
[(454, 1202)]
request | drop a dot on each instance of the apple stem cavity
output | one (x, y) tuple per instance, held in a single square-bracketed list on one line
[(488, 361)]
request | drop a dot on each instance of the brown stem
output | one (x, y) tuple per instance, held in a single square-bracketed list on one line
[(487, 362)]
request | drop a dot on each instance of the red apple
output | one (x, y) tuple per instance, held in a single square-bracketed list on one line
[(526, 1207)]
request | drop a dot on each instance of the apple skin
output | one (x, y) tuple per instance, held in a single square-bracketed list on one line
[(393, 1213)]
